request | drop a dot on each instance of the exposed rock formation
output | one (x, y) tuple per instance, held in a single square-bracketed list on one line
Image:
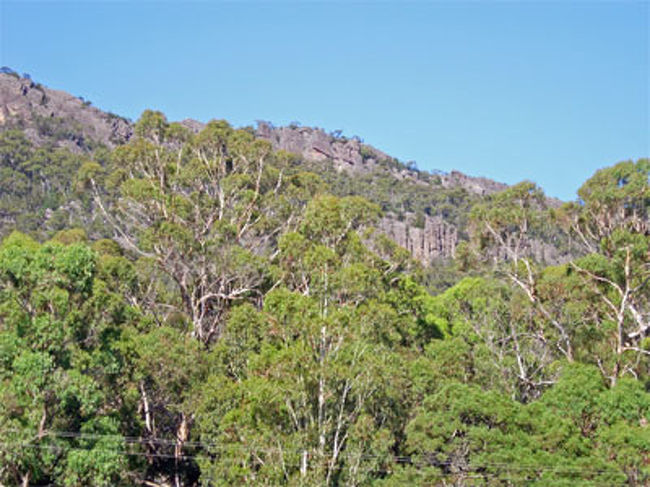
[(193, 126), (56, 116), (314, 144), (481, 186), (435, 239), (429, 240), (432, 239), (317, 145)]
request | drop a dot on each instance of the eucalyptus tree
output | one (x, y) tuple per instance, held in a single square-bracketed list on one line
[(601, 299), (204, 210), (60, 390), (579, 432), (311, 389), (610, 221)]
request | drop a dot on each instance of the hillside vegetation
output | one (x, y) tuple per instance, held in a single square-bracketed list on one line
[(195, 307)]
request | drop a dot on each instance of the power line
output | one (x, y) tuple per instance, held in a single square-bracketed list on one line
[(477, 468), (220, 447)]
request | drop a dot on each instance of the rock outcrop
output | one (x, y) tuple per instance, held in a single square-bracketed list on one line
[(315, 144), (480, 186), (352, 155), (432, 239), (192, 125), (57, 117)]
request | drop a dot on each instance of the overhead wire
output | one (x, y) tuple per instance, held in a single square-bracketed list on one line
[(211, 445), (479, 468)]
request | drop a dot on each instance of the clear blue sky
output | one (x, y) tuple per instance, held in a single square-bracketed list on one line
[(547, 91)]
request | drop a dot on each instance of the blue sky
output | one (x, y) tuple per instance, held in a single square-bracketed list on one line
[(546, 91)]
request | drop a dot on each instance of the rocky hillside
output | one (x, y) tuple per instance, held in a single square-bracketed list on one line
[(422, 226), (51, 116), (426, 213), (350, 154)]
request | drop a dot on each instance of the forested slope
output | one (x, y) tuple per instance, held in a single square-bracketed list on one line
[(195, 307), (426, 213)]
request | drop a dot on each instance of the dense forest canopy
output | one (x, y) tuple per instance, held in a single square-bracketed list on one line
[(200, 309)]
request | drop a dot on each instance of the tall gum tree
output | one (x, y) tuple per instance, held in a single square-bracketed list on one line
[(502, 229), (316, 395), (204, 209), (610, 222)]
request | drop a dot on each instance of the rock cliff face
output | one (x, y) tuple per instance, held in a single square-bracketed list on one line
[(433, 240), (47, 115)]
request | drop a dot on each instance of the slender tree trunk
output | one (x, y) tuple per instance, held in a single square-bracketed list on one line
[(303, 464), (181, 437), (321, 394), (148, 421)]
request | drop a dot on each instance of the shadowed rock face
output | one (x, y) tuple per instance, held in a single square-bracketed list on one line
[(48, 115), (436, 239)]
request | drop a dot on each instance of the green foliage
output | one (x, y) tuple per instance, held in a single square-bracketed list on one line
[(613, 198), (39, 191), (464, 434), (247, 324), (59, 367), (400, 195)]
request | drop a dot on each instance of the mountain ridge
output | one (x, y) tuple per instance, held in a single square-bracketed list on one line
[(22, 100), (424, 212)]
